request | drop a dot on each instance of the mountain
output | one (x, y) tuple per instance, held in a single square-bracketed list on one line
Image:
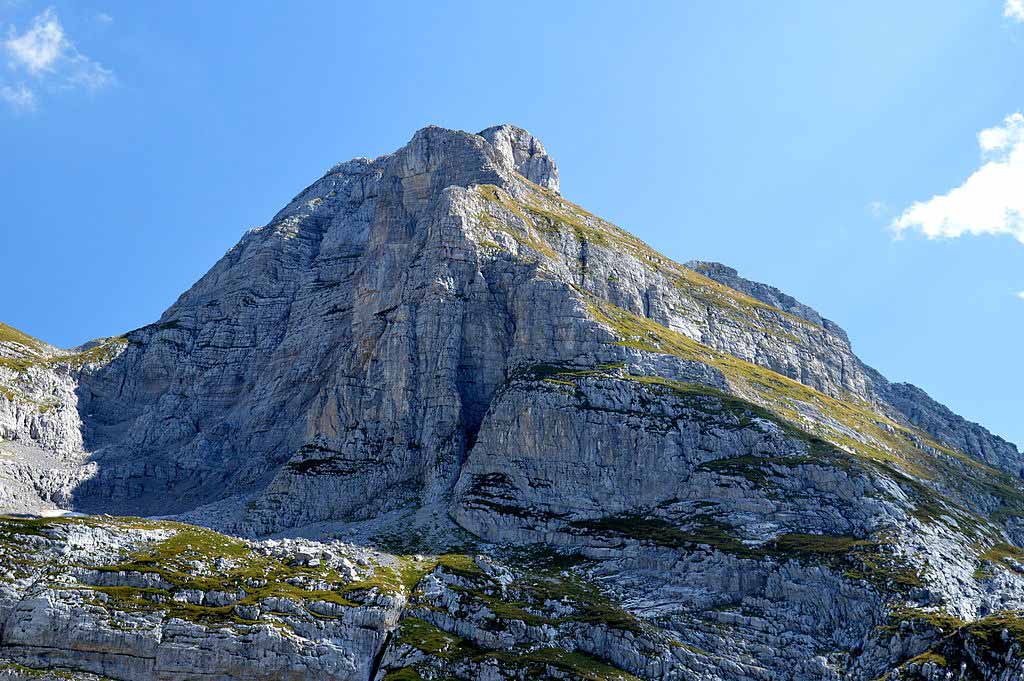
[(435, 421)]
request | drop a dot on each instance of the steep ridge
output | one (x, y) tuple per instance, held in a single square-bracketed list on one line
[(665, 471), (908, 400)]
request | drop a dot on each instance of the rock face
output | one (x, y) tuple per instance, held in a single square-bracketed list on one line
[(614, 466), (131, 599)]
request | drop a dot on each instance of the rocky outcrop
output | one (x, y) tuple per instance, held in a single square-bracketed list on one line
[(144, 600), (42, 457), (132, 599), (37, 394)]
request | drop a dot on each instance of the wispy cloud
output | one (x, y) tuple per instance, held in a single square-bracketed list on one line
[(990, 201), (876, 209), (1021, 295), (1014, 9), (43, 58), (19, 98)]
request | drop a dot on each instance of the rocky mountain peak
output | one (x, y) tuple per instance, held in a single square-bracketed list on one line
[(457, 158), (413, 177), (435, 353), (518, 149)]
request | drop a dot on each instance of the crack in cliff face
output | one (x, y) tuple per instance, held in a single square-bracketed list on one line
[(584, 254), (33, 646), (480, 371), (378, 657)]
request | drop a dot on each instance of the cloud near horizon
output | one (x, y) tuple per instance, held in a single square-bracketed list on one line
[(990, 201), (44, 58)]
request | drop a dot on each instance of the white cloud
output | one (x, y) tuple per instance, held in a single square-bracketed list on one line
[(20, 98), (104, 18), (44, 58), (39, 47), (990, 201), (1002, 138), (1014, 9), (1021, 295)]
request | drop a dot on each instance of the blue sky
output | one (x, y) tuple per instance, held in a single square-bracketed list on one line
[(800, 142)]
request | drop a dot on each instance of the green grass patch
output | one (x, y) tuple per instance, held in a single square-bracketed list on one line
[(9, 334), (859, 559), (403, 674), (1000, 556), (929, 658), (577, 665), (543, 580), (101, 353), (433, 641), (988, 631)]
